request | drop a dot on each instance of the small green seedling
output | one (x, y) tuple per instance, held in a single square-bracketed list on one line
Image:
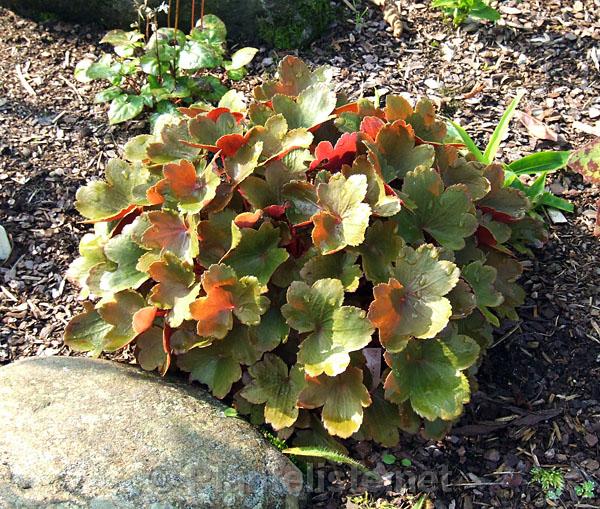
[(586, 489), (460, 10), (550, 479)]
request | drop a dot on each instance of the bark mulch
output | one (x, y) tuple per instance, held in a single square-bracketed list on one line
[(538, 400)]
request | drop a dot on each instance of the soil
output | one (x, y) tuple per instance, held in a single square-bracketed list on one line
[(538, 401)]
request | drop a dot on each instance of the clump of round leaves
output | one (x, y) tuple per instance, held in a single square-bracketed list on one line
[(329, 267)]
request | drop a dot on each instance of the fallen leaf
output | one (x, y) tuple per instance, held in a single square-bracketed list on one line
[(536, 128)]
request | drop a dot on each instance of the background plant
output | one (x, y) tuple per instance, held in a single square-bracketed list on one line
[(329, 268), (162, 68), (460, 10)]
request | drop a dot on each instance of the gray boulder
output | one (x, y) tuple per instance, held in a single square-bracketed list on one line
[(76, 432)]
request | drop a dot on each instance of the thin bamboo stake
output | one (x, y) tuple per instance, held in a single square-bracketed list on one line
[(193, 15), (169, 15), (176, 14), (202, 15)]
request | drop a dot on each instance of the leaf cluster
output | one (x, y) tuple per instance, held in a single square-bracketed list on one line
[(163, 71), (460, 10), (330, 268)]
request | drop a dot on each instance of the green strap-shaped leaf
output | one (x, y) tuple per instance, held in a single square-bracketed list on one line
[(277, 388), (343, 218), (342, 397), (335, 330), (412, 303), (446, 214)]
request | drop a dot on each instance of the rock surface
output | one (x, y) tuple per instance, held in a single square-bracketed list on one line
[(76, 432)]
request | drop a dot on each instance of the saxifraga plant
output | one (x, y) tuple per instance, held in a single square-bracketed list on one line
[(327, 268), (163, 70)]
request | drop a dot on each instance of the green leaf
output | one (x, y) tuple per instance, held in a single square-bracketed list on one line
[(394, 153), (446, 214), (109, 200), (135, 148), (412, 303), (215, 237), (457, 170), (505, 203), (381, 247), (277, 388), (482, 10), (481, 278), (327, 454), (115, 322), (549, 200), (335, 330), (468, 141), (540, 162), (342, 397), (336, 266), (197, 55), (257, 253), (210, 29), (501, 129), (108, 94), (125, 253), (586, 161), (242, 57), (312, 107), (91, 251), (343, 218), (381, 421), (125, 107), (508, 271), (429, 374), (388, 459), (168, 144)]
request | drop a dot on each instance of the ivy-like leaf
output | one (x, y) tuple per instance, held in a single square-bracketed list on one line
[(313, 106), (412, 303), (446, 214), (113, 324), (124, 253), (257, 253), (394, 153), (150, 351), (189, 190), (381, 247), (481, 278), (336, 266), (381, 198), (429, 374), (342, 397), (293, 76), (226, 296), (506, 204), (112, 199), (336, 330), (277, 388), (343, 218), (175, 289), (171, 232)]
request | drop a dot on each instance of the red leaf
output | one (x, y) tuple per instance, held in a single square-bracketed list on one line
[(332, 158), (248, 219), (371, 126), (276, 211), (231, 143), (217, 112), (484, 236), (181, 177), (143, 319)]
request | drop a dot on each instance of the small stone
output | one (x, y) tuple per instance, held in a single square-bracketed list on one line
[(492, 455), (432, 84), (591, 439), (594, 112)]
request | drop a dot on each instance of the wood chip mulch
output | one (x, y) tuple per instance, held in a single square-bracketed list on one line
[(538, 401)]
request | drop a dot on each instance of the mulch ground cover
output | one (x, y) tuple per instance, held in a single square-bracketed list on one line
[(538, 400)]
